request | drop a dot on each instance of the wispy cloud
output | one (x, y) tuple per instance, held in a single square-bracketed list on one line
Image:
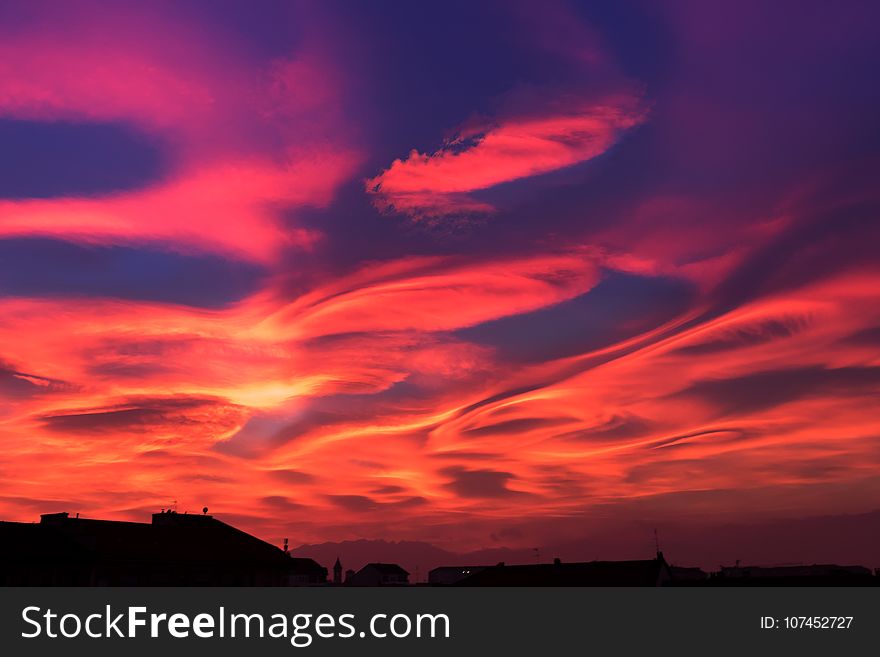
[(568, 132)]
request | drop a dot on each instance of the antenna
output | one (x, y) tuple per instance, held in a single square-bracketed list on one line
[(286, 549), (537, 554), (657, 542)]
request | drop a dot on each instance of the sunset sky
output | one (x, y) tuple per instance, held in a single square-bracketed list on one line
[(473, 273)]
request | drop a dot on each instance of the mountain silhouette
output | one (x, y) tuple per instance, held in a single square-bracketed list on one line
[(417, 557)]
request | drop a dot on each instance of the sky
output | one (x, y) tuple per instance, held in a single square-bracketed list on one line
[(476, 274)]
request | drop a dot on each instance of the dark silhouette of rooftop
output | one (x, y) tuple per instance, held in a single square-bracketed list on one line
[(794, 575), (448, 575), (388, 568), (379, 574), (306, 572), (649, 572), (174, 549), (177, 549)]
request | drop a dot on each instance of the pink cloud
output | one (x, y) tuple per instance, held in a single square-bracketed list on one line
[(440, 183), (230, 208), (247, 140)]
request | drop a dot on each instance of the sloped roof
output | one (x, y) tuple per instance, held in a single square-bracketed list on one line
[(195, 539), (304, 565), (388, 568)]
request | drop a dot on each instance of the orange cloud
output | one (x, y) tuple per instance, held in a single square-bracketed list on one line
[(359, 390)]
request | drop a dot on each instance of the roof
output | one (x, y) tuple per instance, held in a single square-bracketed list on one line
[(305, 565), (590, 573), (387, 568), (183, 539)]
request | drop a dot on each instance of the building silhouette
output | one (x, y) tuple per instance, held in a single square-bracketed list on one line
[(448, 575), (379, 574), (793, 575), (175, 549), (648, 572), (305, 572), (681, 576)]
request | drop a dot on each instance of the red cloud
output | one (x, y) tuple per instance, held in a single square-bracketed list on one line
[(438, 184)]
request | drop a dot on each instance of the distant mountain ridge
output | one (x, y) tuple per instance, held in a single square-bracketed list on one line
[(417, 557)]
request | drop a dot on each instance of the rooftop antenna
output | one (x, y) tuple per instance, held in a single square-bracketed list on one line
[(286, 549), (657, 542)]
